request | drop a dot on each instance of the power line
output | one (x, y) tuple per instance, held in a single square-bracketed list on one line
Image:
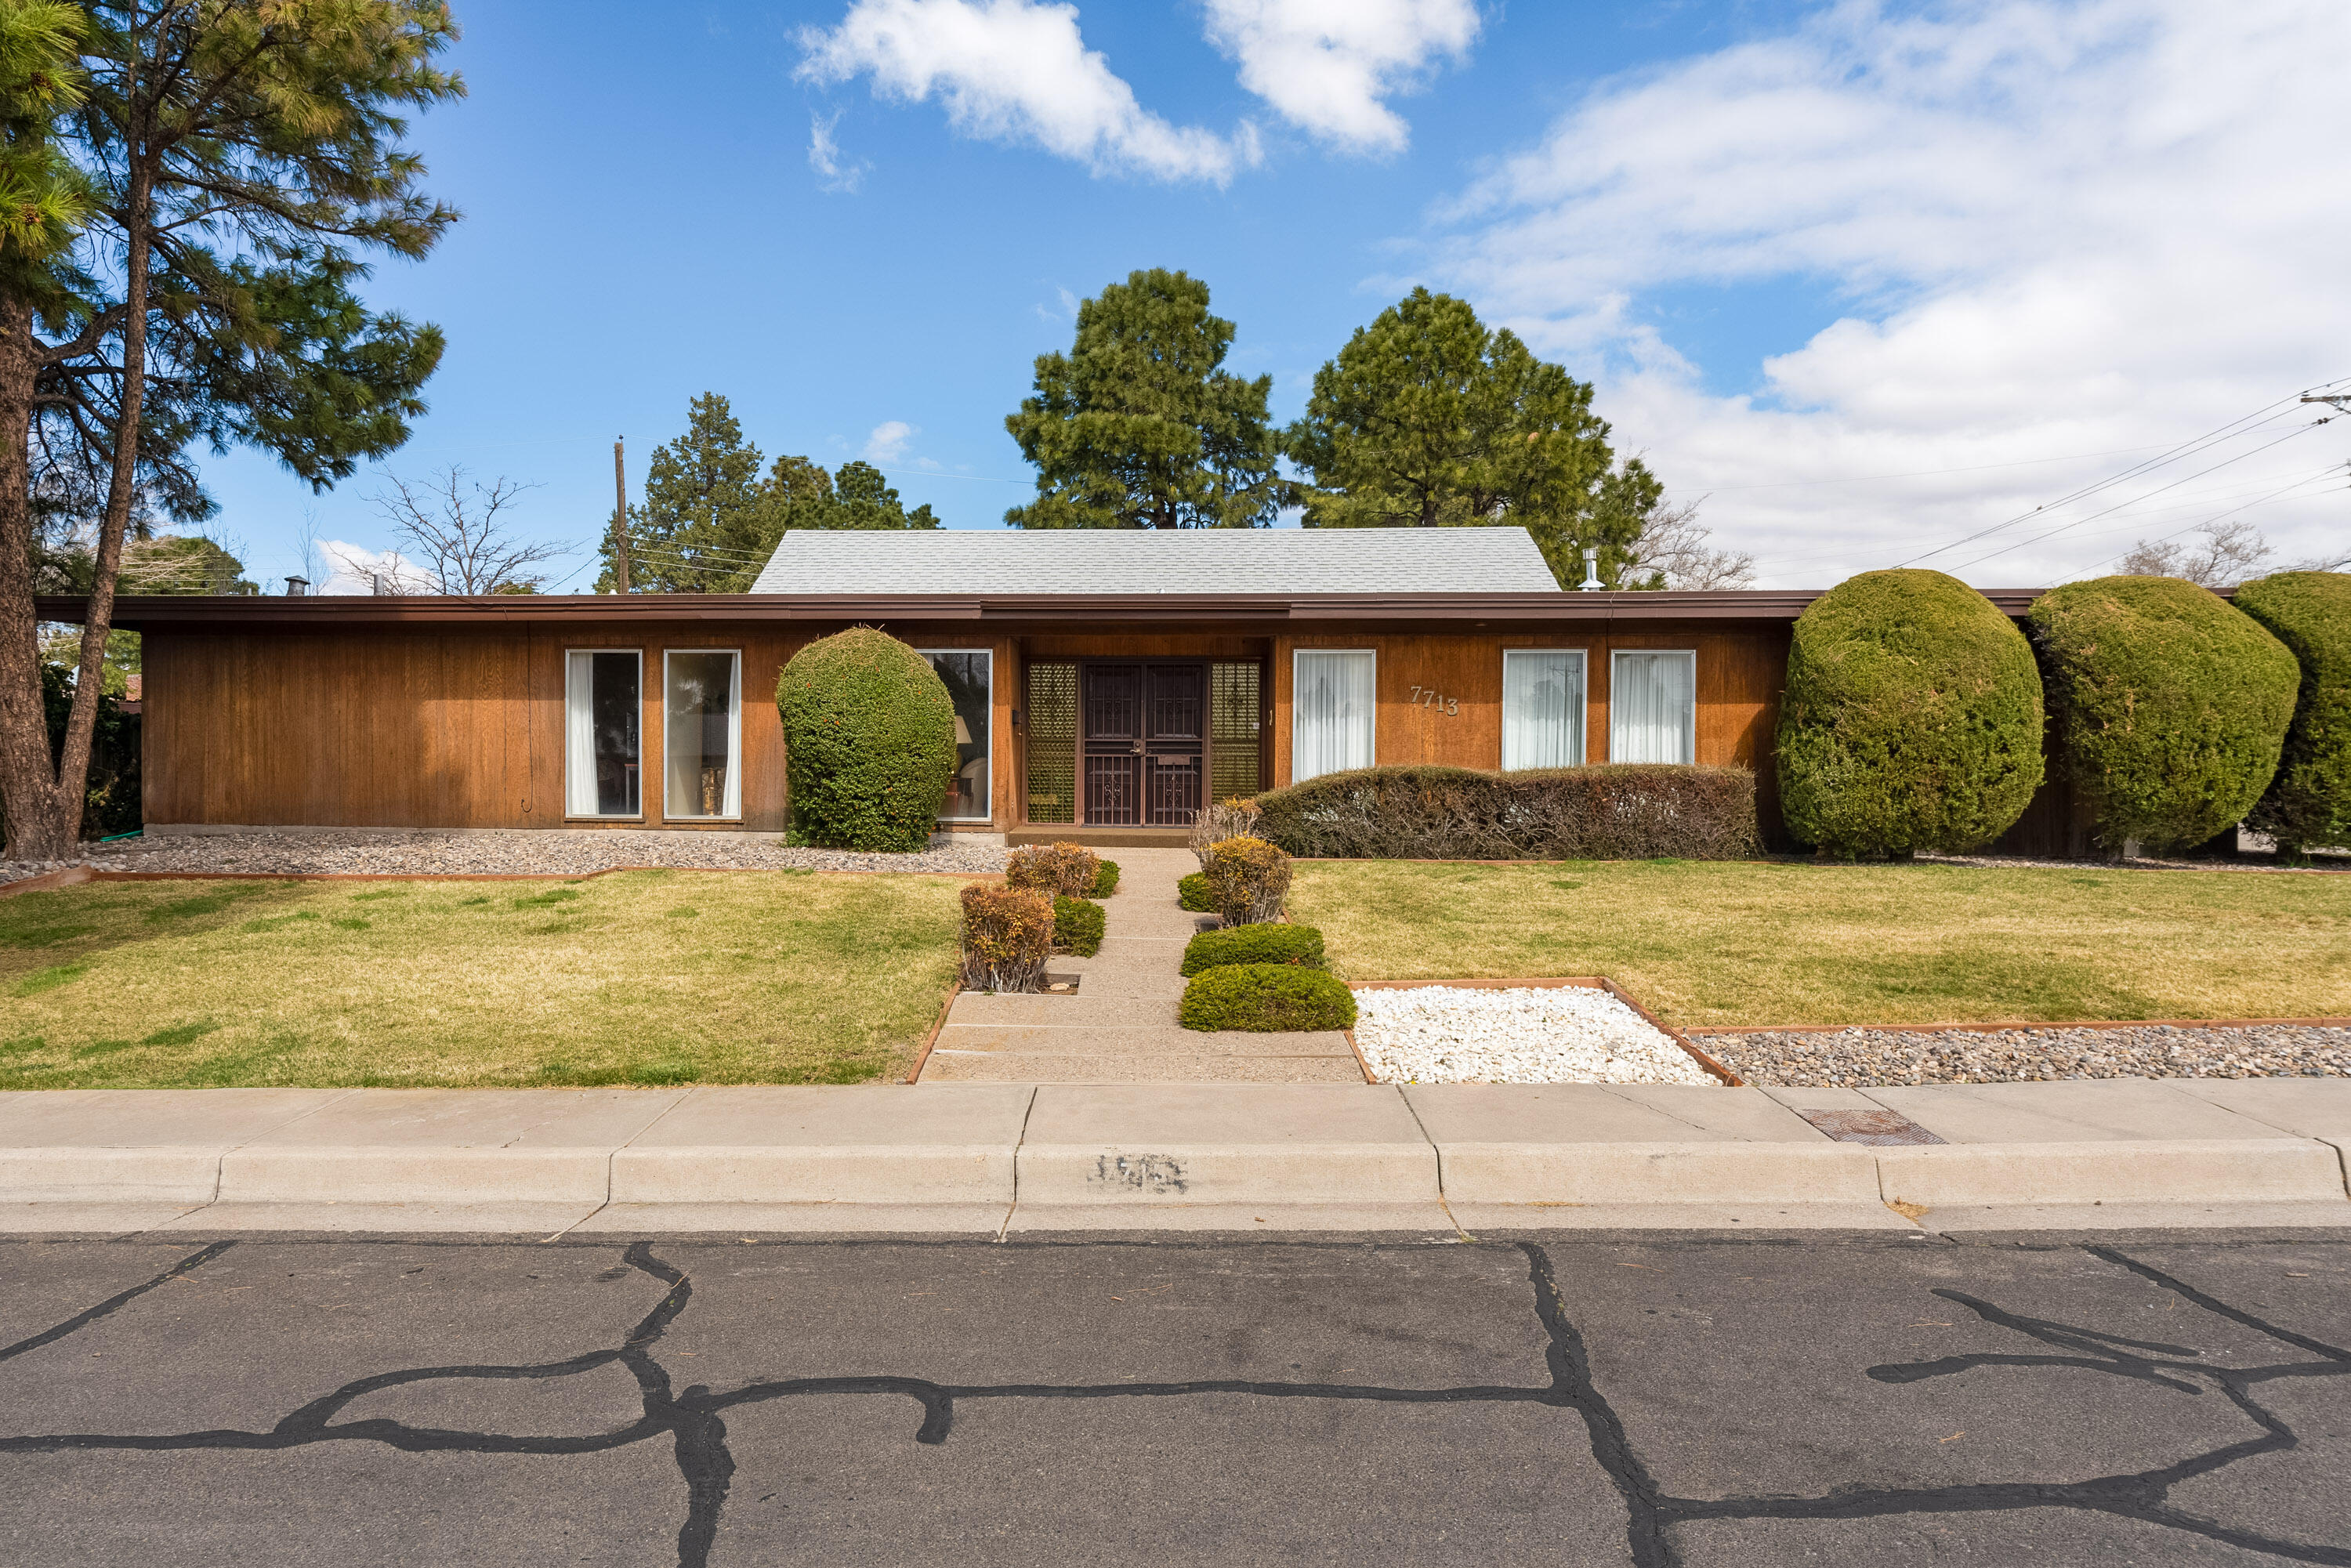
[(2222, 516)]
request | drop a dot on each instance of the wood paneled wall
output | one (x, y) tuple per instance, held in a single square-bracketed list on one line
[(441, 727), (1740, 674)]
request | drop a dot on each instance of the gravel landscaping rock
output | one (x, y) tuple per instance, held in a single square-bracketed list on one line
[(18, 870), (1567, 1034), (1862, 1058), (521, 852)]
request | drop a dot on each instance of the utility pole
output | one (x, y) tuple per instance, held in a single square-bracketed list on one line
[(2331, 400), (620, 519)]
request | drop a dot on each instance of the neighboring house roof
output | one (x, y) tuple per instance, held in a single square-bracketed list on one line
[(1147, 560)]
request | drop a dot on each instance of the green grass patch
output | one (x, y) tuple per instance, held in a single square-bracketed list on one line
[(380, 893), (835, 984), (1801, 942)]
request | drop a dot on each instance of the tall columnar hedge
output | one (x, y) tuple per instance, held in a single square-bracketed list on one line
[(2174, 706), (2309, 801), (1912, 719), (870, 732)]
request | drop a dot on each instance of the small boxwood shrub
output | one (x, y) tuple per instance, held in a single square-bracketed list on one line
[(869, 733), (1007, 934), (1267, 997), (2174, 706), (2308, 804), (1064, 867), (1632, 812), (1247, 879), (1077, 926), (1106, 880), (1268, 944), (1912, 719), (1192, 893)]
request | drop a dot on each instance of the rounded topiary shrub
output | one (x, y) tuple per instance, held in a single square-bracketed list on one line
[(1299, 944), (1912, 718), (2308, 804), (1061, 868), (1007, 934), (1192, 893), (1246, 880), (1077, 926), (1267, 997), (2173, 706), (871, 733)]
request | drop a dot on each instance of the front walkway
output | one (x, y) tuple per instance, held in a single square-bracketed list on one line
[(1119, 1027)]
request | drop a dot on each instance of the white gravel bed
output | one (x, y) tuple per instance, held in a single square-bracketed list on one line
[(526, 851), (1566, 1034), (1864, 1058)]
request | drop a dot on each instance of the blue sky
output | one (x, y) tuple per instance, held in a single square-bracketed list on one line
[(1998, 251)]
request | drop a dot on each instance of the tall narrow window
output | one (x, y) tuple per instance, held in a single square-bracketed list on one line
[(1332, 712), (1052, 743), (702, 716), (1233, 692), (968, 673), (1652, 707), (1542, 707), (601, 709)]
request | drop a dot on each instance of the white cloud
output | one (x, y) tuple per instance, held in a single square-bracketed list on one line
[(355, 569), (887, 442), (2058, 229), (1327, 64), (824, 155), (1017, 70)]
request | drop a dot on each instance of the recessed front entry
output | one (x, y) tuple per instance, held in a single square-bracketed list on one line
[(1144, 728)]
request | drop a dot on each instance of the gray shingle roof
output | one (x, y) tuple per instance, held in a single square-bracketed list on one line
[(1120, 561)]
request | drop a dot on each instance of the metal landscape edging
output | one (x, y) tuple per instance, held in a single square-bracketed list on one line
[(1581, 982), (2010, 1026)]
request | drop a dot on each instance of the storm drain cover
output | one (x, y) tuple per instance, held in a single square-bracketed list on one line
[(1882, 1128)]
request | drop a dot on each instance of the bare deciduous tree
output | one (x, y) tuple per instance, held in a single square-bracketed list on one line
[(2230, 553), (1673, 552), (451, 535)]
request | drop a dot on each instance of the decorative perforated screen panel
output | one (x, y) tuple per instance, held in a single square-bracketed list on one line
[(1053, 723), (1233, 694)]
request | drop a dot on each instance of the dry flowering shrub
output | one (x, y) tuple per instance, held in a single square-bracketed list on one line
[(1064, 868), (1008, 935), (1247, 879), (1233, 818)]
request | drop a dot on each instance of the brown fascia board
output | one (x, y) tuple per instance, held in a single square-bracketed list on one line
[(227, 611)]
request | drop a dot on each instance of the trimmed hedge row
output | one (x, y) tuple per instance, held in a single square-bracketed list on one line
[(870, 732), (1912, 718), (1632, 812), (2175, 705), (2308, 804), (1262, 998), (1298, 945)]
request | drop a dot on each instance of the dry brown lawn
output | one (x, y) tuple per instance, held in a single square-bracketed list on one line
[(1743, 943), (658, 977)]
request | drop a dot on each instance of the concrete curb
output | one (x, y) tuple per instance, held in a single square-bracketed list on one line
[(947, 1157)]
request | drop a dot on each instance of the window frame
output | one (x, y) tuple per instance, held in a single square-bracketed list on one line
[(734, 737), (1295, 653), (1688, 654), (988, 653), (639, 815), (1580, 705)]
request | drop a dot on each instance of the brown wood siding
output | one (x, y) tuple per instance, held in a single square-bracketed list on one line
[(436, 727)]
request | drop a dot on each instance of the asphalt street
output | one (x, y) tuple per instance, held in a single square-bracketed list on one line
[(2129, 1400)]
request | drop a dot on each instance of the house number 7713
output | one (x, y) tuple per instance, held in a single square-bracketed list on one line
[(1428, 697)]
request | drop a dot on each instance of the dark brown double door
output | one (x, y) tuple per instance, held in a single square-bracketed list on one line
[(1144, 746)]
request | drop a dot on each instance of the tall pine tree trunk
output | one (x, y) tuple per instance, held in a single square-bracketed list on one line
[(28, 782)]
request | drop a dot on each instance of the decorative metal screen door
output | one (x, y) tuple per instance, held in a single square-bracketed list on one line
[(1144, 747)]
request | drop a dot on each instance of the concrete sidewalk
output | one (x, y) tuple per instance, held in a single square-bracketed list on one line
[(999, 1157)]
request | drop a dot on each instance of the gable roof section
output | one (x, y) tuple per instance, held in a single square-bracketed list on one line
[(1296, 561)]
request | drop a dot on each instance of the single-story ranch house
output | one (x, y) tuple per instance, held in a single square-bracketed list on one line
[(1106, 683)]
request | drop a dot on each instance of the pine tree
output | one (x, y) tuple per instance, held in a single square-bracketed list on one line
[(1139, 426), (1428, 419)]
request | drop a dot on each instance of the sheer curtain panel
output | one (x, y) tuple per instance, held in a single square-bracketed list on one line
[(701, 700), (1542, 707), (599, 732), (1652, 707), (1332, 712)]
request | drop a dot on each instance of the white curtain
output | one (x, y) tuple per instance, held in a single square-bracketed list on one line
[(702, 706), (1653, 708), (1542, 707), (580, 734), (1332, 713)]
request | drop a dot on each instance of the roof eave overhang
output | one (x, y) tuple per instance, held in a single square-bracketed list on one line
[(138, 612)]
